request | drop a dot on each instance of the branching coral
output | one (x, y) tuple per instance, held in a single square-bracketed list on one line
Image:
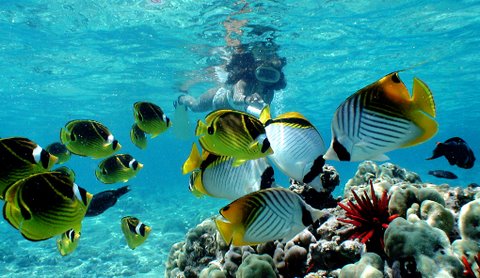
[(370, 217)]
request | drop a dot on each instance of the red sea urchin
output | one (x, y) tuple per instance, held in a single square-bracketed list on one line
[(370, 217), (468, 272)]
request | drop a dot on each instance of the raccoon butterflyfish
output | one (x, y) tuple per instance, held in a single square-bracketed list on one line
[(104, 200), (456, 151), (68, 242), (298, 147), (66, 171), (45, 205), (382, 117), (60, 151), (233, 133), (135, 231), (20, 158), (138, 137), (89, 138), (215, 175), (265, 215), (118, 168), (150, 118)]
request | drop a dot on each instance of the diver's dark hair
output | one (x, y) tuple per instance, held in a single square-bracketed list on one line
[(241, 66)]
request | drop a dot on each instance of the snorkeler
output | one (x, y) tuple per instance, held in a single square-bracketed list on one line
[(253, 76)]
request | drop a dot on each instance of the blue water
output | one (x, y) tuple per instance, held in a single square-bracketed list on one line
[(65, 60)]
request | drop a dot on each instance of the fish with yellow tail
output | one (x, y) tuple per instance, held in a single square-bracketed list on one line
[(150, 118), (19, 158), (215, 176), (89, 138), (68, 242), (60, 151), (235, 134), (135, 231), (44, 205), (298, 147), (118, 168), (138, 137), (265, 215), (382, 117)]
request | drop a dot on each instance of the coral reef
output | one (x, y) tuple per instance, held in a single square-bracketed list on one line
[(417, 242)]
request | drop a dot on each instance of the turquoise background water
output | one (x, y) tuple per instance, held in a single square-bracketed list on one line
[(65, 60)]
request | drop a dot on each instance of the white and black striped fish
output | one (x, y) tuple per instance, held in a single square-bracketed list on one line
[(382, 117), (265, 215), (217, 177), (298, 147)]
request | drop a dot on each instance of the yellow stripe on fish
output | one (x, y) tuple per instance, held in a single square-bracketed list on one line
[(233, 133), (382, 117), (118, 168), (150, 118), (45, 205), (89, 138), (19, 158), (265, 215)]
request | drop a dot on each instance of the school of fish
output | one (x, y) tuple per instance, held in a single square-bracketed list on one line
[(236, 159)]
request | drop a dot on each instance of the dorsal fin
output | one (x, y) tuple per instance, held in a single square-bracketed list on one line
[(423, 98)]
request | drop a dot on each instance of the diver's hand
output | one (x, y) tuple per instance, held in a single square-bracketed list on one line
[(255, 98)]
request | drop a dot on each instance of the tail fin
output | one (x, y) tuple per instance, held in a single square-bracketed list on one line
[(267, 178), (201, 128), (122, 191), (265, 116), (423, 98), (64, 136), (193, 161)]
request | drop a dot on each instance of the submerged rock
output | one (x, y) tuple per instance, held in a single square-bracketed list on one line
[(419, 246)]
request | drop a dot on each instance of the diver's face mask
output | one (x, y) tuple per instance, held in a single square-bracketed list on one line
[(267, 74)]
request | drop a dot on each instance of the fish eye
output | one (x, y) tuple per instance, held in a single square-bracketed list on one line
[(44, 158), (72, 137), (133, 164), (115, 144), (104, 171), (396, 78), (210, 130), (140, 117)]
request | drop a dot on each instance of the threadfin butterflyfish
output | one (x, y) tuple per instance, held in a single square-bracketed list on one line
[(456, 151), (104, 200), (89, 138), (118, 168), (382, 117), (66, 171), (45, 205), (215, 176), (19, 158), (135, 231), (60, 151), (265, 215), (138, 137), (298, 147), (235, 134), (68, 242), (150, 118)]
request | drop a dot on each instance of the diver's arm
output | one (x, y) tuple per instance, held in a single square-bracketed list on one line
[(239, 93)]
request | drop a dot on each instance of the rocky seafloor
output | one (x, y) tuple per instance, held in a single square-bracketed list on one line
[(421, 230)]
